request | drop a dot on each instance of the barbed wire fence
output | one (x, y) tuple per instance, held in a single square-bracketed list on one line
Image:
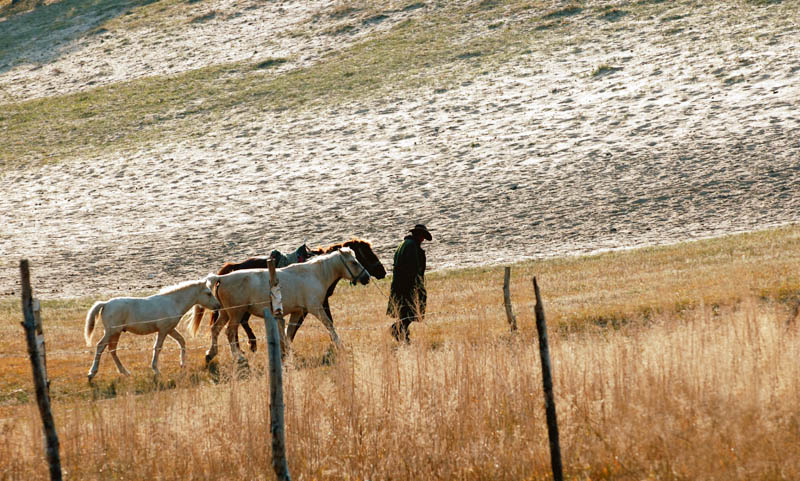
[(269, 307), (431, 318)]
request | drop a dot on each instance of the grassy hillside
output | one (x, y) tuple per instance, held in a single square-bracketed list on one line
[(450, 43)]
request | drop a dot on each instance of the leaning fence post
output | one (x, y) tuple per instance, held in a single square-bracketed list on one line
[(547, 381), (512, 321), (276, 407), (39, 376), (37, 320)]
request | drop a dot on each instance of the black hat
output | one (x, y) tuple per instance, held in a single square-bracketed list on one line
[(422, 229)]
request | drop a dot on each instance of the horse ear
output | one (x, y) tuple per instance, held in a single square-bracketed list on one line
[(211, 279)]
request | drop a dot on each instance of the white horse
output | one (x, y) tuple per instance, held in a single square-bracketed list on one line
[(303, 290), (145, 315)]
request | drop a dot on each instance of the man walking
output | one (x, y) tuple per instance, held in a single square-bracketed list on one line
[(408, 296)]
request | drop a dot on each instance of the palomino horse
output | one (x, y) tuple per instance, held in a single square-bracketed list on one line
[(364, 254), (303, 289), (145, 315)]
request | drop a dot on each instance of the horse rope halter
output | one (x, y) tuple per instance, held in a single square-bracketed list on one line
[(353, 279)]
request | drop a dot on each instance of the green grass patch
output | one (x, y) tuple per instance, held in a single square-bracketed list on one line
[(613, 15), (269, 63)]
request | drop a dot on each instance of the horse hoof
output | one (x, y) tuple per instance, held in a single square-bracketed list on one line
[(253, 347), (208, 360), (213, 371)]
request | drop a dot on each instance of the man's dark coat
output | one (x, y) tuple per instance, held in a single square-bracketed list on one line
[(408, 281)]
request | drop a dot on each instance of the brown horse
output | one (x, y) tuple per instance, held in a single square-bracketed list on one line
[(364, 254)]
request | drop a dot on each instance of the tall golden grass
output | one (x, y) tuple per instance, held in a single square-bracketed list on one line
[(678, 362)]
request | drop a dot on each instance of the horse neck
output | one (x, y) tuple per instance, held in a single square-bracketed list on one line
[(186, 296), (333, 270)]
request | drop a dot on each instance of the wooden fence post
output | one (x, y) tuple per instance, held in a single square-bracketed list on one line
[(547, 381), (37, 320), (512, 321), (276, 407), (39, 377)]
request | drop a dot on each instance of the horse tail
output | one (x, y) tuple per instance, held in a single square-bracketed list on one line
[(194, 324), (88, 328)]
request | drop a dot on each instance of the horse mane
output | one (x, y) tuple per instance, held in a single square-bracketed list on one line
[(180, 286), (322, 259), (335, 247), (327, 255)]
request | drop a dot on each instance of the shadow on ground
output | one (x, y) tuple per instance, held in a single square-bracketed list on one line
[(46, 32)]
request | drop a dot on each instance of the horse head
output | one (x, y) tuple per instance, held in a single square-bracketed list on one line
[(356, 272), (206, 298), (367, 257)]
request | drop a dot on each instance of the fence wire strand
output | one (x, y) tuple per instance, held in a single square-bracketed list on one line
[(439, 317)]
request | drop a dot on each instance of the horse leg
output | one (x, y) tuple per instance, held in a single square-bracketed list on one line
[(112, 347), (101, 345), (282, 333), (177, 336), (251, 337), (294, 324), (157, 349), (295, 321), (220, 321), (236, 353), (328, 322)]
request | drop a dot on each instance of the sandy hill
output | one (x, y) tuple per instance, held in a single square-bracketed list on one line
[(143, 143)]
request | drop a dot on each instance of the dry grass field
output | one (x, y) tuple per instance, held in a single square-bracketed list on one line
[(145, 142), (676, 362)]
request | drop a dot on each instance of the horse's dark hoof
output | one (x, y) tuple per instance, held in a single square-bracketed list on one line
[(253, 346), (208, 360), (329, 358), (213, 371)]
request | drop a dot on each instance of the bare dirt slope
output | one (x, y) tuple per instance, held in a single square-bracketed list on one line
[(656, 131)]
